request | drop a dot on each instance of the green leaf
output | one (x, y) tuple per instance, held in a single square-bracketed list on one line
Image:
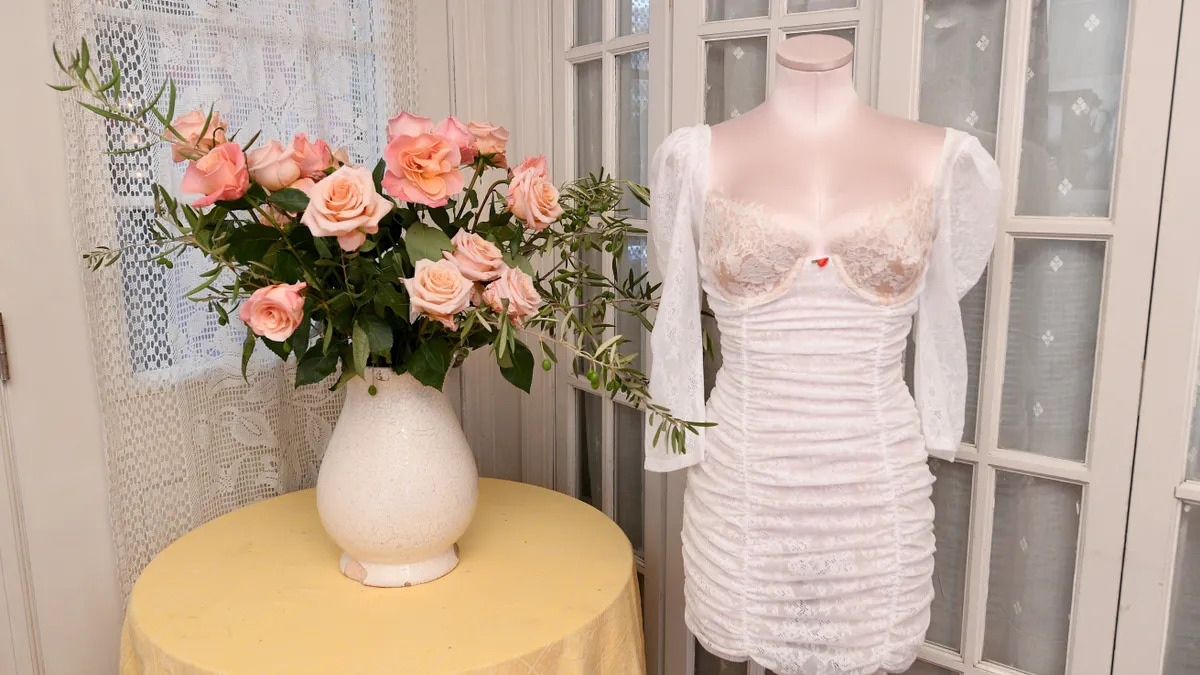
[(171, 109), (84, 55), (251, 241), (377, 175), (289, 199), (431, 361), (316, 366), (251, 141), (247, 350), (322, 247), (361, 344), (287, 268), (280, 348), (153, 101), (102, 112), (377, 331), (130, 151), (299, 339), (387, 296), (640, 192), (518, 261), (440, 216), (426, 243), (60, 87), (520, 372)]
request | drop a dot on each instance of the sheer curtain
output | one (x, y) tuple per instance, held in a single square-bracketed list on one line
[(188, 439)]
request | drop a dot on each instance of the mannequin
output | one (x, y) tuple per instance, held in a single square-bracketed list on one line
[(825, 155)]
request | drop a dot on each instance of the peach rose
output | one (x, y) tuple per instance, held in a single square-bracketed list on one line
[(347, 206), (313, 158), (273, 166), (456, 132), (219, 175), (477, 258), (517, 288), (274, 312), (408, 124), (304, 185), (189, 126), (341, 157), (532, 197), (438, 290), (490, 140), (422, 169)]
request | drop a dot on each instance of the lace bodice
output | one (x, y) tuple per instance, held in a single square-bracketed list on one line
[(931, 245), (754, 254)]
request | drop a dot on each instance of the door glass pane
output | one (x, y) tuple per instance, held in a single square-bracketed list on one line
[(1183, 634), (1073, 84), (735, 77), (961, 58), (707, 664), (952, 530), (589, 21), (633, 112), (633, 261), (633, 16), (795, 6), (721, 10), (589, 125), (589, 427), (923, 668), (1032, 573), (629, 426), (974, 314), (1054, 314)]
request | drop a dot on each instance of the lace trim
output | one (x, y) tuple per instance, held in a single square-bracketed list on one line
[(753, 255)]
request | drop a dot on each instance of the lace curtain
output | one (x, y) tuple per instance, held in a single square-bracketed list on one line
[(188, 439)]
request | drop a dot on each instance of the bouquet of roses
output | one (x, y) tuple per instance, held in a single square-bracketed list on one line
[(408, 266)]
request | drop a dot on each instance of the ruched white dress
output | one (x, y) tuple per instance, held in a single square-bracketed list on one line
[(808, 528)]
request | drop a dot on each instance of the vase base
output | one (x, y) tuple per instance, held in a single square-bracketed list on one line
[(396, 576)]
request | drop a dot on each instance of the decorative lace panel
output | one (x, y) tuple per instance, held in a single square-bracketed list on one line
[(750, 254), (884, 258), (187, 438)]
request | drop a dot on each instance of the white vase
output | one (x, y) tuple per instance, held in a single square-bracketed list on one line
[(398, 484)]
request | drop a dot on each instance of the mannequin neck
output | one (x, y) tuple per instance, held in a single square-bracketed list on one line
[(814, 100)]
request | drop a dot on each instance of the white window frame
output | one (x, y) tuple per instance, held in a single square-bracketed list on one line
[(1130, 238), (567, 453)]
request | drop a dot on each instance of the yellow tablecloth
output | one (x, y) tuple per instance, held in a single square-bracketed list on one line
[(546, 585)]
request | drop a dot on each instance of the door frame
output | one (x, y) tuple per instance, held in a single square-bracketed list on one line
[(1169, 385)]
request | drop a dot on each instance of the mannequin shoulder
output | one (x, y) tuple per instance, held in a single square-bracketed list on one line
[(920, 145)]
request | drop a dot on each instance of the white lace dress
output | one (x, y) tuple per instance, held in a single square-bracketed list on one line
[(808, 528)]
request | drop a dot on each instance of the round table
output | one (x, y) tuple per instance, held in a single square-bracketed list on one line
[(546, 584)]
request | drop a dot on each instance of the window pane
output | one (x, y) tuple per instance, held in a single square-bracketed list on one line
[(923, 668), (974, 314), (589, 21), (589, 124), (633, 261), (961, 58), (721, 10), (633, 16), (796, 6), (1032, 573), (633, 111), (707, 664), (1072, 102), (847, 34), (629, 426), (1054, 314), (735, 77), (1183, 633), (589, 444), (952, 530)]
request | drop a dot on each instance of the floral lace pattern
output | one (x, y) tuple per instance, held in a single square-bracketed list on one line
[(749, 253), (885, 257)]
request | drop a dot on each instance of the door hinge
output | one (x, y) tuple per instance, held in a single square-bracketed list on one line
[(3, 353)]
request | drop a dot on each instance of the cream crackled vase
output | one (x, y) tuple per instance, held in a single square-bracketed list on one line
[(398, 483)]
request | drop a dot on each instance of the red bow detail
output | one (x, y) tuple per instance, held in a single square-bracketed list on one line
[(821, 262)]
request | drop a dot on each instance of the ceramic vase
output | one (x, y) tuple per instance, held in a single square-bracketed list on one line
[(398, 484)]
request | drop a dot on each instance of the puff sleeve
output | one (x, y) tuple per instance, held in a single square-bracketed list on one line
[(677, 184), (968, 200)]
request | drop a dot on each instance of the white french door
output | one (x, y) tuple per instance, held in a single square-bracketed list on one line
[(1159, 625)]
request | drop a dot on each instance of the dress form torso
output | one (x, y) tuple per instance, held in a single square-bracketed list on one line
[(813, 152)]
